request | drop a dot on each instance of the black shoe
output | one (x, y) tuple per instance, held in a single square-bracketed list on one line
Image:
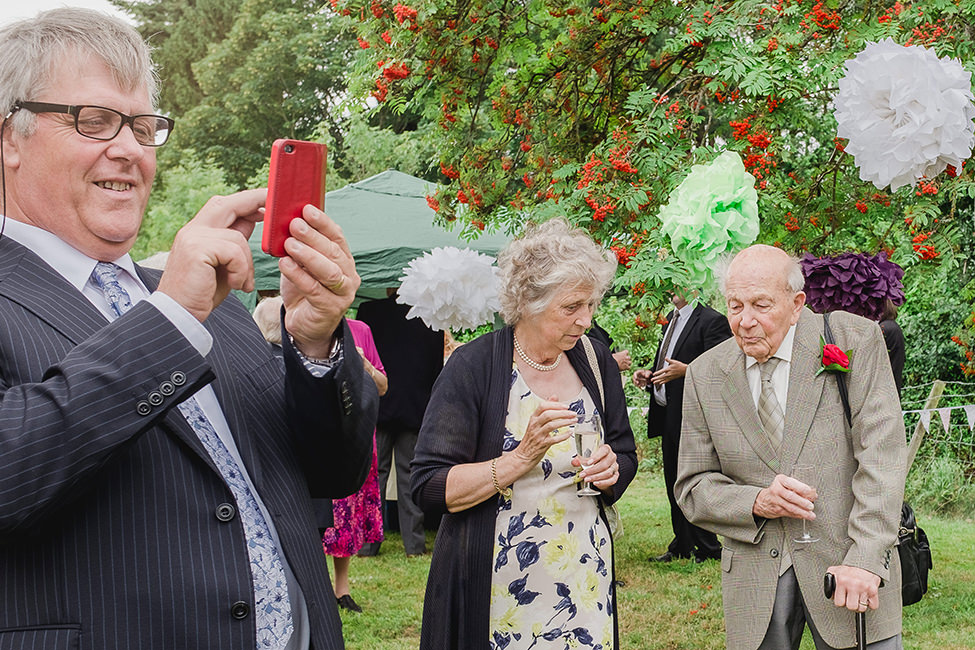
[(369, 549), (701, 559), (667, 557), (346, 602)]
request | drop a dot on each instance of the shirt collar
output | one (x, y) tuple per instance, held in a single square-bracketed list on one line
[(73, 265), (784, 352), (685, 311)]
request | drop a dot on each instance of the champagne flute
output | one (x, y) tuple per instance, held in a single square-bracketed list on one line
[(808, 474), (588, 436)]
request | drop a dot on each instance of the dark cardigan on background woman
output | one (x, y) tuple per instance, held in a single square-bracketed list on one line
[(464, 423)]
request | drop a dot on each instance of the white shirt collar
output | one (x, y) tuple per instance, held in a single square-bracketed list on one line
[(73, 265), (784, 352)]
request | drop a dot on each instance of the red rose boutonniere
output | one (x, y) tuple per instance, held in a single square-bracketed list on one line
[(834, 359)]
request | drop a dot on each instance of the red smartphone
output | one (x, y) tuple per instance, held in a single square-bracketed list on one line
[(297, 178)]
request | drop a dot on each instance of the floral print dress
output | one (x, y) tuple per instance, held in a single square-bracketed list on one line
[(552, 582)]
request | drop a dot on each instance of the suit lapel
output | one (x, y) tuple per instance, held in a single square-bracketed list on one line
[(174, 418), (28, 281), (226, 385), (228, 398), (738, 396), (692, 322), (805, 388)]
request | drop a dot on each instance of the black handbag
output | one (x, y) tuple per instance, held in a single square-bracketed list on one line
[(912, 542), (915, 555)]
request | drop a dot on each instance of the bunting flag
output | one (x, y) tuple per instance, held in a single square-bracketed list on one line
[(944, 416), (926, 420)]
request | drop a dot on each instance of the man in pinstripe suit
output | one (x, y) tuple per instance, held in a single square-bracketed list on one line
[(756, 407), (156, 460)]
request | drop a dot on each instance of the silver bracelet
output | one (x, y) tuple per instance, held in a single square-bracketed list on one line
[(333, 353)]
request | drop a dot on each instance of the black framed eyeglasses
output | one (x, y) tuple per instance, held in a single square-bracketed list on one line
[(100, 123)]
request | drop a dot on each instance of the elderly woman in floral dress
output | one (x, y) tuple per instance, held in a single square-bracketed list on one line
[(521, 560)]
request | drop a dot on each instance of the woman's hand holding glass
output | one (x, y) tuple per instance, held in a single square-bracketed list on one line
[(549, 425), (602, 470)]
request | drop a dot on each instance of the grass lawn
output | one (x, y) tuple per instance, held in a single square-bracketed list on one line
[(664, 607)]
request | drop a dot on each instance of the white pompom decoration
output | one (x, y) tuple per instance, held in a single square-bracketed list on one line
[(906, 113), (450, 288)]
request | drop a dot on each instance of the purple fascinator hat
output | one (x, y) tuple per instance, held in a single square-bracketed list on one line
[(853, 282)]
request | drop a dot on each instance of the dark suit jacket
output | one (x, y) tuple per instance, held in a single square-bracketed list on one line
[(412, 355), (704, 330), (116, 529), (894, 340)]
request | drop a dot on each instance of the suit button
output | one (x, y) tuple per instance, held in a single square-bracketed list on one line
[(167, 388), (178, 378), (225, 512), (774, 552), (143, 408), (240, 610), (155, 398)]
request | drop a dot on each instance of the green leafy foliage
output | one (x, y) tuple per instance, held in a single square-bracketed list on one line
[(597, 111)]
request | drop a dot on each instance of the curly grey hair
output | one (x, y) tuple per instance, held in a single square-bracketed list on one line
[(32, 50), (548, 258)]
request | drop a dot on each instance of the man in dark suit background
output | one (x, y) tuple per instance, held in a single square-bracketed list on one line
[(156, 459), (690, 331), (412, 355)]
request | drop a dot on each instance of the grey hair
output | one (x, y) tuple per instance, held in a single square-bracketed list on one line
[(795, 281), (32, 50), (546, 259), (267, 315)]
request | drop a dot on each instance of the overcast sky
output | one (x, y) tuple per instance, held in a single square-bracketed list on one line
[(14, 10)]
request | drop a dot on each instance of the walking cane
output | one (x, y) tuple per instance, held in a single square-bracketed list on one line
[(829, 586)]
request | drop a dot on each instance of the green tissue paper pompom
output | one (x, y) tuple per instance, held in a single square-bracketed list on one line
[(712, 212)]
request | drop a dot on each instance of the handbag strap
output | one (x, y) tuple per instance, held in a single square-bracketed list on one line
[(591, 355), (840, 377)]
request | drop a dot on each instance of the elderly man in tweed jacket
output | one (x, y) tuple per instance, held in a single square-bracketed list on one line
[(757, 407)]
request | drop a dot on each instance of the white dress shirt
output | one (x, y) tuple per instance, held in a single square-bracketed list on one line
[(683, 315), (780, 377)]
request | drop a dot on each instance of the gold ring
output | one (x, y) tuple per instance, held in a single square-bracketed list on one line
[(335, 288), (863, 604)]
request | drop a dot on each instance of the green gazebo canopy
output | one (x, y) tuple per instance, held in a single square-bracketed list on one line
[(387, 223)]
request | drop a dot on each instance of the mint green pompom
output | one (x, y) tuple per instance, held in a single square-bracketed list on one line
[(714, 211)]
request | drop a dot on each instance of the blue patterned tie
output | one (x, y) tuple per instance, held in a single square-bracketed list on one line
[(273, 608)]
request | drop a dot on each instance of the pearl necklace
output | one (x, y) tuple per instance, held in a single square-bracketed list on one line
[(535, 364)]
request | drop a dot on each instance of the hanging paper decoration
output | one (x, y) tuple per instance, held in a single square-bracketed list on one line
[(853, 282), (450, 288), (906, 113), (714, 211)]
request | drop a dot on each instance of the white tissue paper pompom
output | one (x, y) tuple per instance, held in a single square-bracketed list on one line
[(450, 288), (906, 113)]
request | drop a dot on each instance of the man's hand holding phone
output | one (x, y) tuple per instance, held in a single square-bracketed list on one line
[(318, 278), (318, 281), (210, 255)]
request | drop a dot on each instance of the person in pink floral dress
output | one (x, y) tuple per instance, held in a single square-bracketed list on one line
[(358, 518)]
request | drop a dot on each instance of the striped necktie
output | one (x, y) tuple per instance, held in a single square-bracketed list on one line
[(769, 410)]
